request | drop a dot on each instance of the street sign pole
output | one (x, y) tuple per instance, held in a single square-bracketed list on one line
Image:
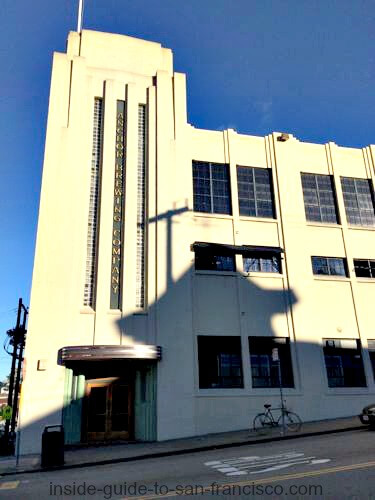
[(275, 357), (281, 398)]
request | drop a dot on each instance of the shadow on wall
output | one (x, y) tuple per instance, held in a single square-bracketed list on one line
[(261, 304), (215, 307)]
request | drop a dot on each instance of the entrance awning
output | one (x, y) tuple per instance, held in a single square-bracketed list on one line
[(108, 352)]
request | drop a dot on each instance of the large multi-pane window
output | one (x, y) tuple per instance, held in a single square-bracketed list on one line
[(220, 362), (255, 198), (211, 188), (359, 201), (261, 262), (264, 368), (319, 198), (330, 266), (344, 363), (364, 268)]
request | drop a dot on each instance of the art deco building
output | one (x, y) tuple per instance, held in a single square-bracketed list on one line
[(172, 261)]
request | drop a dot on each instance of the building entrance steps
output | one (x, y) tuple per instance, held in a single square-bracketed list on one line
[(86, 456)]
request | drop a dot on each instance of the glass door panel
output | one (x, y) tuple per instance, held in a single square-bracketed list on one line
[(97, 409)]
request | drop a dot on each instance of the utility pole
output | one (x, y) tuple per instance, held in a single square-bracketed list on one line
[(21, 345), (18, 341)]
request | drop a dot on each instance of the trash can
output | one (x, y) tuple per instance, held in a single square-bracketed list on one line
[(53, 446)]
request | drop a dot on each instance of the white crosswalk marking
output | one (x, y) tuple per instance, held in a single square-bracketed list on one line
[(257, 465), (280, 466), (275, 462), (228, 469)]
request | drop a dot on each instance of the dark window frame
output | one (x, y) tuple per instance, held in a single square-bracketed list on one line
[(342, 366), (322, 210), (258, 198), (210, 188), (329, 265), (214, 352), (370, 267), (354, 197), (265, 371)]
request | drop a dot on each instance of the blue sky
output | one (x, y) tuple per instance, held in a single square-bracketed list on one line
[(307, 68)]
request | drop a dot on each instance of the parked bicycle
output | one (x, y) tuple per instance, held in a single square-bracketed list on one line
[(264, 422)]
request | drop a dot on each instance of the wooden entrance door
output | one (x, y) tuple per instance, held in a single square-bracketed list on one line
[(109, 409)]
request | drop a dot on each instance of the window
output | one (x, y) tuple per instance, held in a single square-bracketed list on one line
[(141, 209), (220, 363), (319, 198), (358, 200), (210, 259), (211, 188), (343, 362), (94, 202), (255, 197), (371, 351), (261, 262), (265, 371), (364, 268), (331, 266)]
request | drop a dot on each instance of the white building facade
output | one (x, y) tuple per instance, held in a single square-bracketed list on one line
[(171, 261)]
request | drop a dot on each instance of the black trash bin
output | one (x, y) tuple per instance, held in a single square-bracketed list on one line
[(53, 446)]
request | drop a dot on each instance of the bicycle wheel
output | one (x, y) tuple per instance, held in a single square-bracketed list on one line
[(291, 420), (262, 423)]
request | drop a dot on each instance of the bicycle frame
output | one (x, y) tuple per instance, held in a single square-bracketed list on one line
[(287, 419)]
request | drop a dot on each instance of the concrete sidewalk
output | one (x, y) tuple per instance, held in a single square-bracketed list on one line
[(86, 456)]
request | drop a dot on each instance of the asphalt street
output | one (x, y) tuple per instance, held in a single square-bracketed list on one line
[(336, 466)]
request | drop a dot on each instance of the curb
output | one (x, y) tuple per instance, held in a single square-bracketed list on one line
[(163, 454)]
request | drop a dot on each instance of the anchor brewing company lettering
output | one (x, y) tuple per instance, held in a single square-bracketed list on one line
[(118, 208)]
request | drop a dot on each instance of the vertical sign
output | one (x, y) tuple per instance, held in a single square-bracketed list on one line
[(118, 209)]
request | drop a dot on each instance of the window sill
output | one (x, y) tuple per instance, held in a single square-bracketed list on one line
[(87, 310), (213, 216), (347, 391), (225, 392), (275, 391), (246, 392), (114, 312), (331, 278), (214, 273), (258, 219), (324, 224), (362, 228), (366, 280), (260, 274)]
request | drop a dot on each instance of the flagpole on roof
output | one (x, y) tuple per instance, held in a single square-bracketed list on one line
[(80, 15)]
